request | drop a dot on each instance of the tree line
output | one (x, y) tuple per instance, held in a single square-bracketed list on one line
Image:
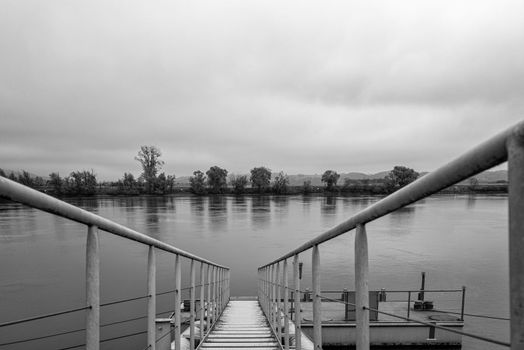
[(213, 181)]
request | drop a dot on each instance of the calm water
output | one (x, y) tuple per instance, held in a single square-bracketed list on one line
[(456, 240)]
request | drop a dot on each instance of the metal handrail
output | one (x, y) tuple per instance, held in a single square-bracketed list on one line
[(217, 275), (28, 196), (507, 145), (485, 156)]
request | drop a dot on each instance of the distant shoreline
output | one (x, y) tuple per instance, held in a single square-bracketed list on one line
[(495, 189)]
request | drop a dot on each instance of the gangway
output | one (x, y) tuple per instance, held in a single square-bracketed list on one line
[(242, 325)]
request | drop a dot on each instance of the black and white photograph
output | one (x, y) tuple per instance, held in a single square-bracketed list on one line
[(261, 174)]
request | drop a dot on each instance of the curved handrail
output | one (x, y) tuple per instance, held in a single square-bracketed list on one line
[(28, 196), (485, 156)]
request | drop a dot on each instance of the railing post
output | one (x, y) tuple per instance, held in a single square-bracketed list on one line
[(202, 301), (223, 289), (215, 313), (178, 291), (274, 298), (220, 280), (361, 288), (270, 303), (345, 299), (209, 297), (192, 306), (409, 303), (279, 305), (228, 286), (92, 289), (317, 300), (221, 294), (515, 146), (286, 306), (151, 303), (298, 312), (264, 276), (463, 304), (268, 293)]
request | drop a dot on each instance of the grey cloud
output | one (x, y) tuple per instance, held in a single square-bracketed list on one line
[(296, 86)]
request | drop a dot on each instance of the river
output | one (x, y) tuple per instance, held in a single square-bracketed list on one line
[(456, 240)]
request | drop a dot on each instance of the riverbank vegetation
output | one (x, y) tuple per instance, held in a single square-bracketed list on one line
[(217, 180)]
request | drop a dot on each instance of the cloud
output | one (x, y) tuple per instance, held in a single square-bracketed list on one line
[(297, 86)]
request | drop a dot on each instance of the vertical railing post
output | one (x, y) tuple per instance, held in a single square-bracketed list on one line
[(218, 293), (409, 303), (268, 294), (463, 304), (345, 299), (209, 297), (274, 297), (279, 307), (317, 299), (151, 303), (92, 289), (270, 303), (178, 291), (202, 301), (286, 306), (515, 146), (298, 312), (361, 288), (221, 294), (215, 313), (264, 285), (223, 289), (192, 306)]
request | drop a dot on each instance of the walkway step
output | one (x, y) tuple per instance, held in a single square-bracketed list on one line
[(241, 326)]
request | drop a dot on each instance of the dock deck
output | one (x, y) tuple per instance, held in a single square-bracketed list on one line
[(241, 326)]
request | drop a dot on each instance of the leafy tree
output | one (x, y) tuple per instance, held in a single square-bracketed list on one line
[(149, 158), (216, 179), (39, 181), (197, 182), (473, 182), (399, 177), (330, 178), (280, 183), (306, 188), (260, 178), (170, 183), (239, 183), (55, 181), (2, 172), (81, 183), (161, 183), (128, 184), (26, 179)]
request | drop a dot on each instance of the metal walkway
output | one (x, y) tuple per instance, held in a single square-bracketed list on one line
[(241, 326)]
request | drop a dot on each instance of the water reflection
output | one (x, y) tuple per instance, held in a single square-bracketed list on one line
[(239, 204), (471, 201), (197, 204), (260, 209), (87, 203), (217, 210), (401, 220), (329, 204)]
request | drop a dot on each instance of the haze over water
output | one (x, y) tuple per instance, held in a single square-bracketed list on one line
[(456, 240)]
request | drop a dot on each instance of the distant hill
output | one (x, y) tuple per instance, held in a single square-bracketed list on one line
[(298, 180)]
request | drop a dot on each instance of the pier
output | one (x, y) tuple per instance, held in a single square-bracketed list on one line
[(283, 315)]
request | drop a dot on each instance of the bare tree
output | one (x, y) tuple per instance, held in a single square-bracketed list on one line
[(149, 158)]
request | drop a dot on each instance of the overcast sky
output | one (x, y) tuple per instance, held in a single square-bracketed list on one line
[(296, 86)]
